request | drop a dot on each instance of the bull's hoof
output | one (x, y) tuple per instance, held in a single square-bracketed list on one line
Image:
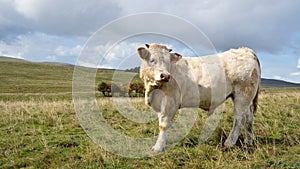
[(157, 149), (229, 143)]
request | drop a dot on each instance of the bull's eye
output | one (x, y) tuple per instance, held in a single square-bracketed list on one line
[(152, 61)]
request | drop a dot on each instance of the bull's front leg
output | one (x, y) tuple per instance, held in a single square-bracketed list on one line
[(164, 123), (165, 117)]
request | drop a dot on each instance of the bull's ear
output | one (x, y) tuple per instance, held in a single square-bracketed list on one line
[(175, 57), (143, 53), (147, 45)]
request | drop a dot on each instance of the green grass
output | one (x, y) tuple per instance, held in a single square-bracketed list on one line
[(47, 134), (39, 128)]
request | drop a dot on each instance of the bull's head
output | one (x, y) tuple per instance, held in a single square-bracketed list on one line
[(156, 64)]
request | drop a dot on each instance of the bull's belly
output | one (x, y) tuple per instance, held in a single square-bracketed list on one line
[(203, 103), (205, 100), (196, 97)]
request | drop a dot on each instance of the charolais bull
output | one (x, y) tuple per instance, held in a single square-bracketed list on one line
[(173, 82)]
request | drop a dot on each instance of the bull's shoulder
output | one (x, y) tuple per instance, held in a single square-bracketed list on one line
[(187, 65)]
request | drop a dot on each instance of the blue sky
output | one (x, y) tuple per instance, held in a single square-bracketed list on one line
[(56, 30)]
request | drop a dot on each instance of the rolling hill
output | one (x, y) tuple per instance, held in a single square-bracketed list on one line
[(277, 83), (10, 59), (21, 76)]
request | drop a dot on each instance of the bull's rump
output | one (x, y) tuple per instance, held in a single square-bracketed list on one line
[(239, 64)]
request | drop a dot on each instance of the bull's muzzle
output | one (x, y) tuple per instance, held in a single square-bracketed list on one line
[(165, 77)]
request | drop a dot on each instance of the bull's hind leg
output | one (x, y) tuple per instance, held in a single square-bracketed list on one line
[(249, 121), (241, 112), (252, 94), (249, 136), (245, 102)]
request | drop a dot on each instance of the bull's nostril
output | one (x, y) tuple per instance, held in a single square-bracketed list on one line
[(165, 77)]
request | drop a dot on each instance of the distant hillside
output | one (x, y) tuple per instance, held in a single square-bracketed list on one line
[(18, 75), (58, 64), (10, 59), (277, 83)]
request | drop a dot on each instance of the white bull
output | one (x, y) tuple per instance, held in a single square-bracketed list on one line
[(181, 82)]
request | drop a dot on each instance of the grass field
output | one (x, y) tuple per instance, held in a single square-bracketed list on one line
[(39, 128)]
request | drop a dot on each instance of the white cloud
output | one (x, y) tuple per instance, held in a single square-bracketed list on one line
[(28, 8), (278, 77), (68, 17), (51, 58), (68, 51), (258, 25), (233, 23), (122, 55), (253, 24), (295, 74), (12, 50), (40, 47)]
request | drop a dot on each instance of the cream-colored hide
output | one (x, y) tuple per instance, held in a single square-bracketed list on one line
[(204, 82)]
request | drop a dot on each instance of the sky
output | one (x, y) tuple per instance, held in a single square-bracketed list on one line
[(58, 31)]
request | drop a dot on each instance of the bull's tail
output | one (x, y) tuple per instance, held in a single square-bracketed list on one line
[(255, 101)]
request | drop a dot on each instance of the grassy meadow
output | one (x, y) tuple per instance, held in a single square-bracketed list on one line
[(39, 127)]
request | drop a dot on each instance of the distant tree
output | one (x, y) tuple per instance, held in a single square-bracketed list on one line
[(108, 90), (111, 89), (132, 89), (102, 87), (135, 70), (140, 88)]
